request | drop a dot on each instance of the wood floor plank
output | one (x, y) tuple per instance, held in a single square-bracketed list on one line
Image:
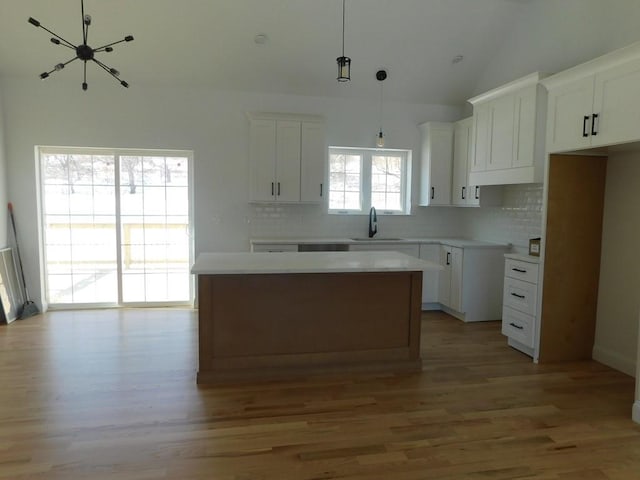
[(111, 394)]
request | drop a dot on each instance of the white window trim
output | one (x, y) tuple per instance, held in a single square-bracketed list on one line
[(365, 180)]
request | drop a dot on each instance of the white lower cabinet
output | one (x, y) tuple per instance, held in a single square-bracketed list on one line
[(519, 310), (430, 252), (471, 282), (450, 282)]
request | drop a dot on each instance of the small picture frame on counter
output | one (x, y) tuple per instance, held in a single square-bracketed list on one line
[(534, 247)]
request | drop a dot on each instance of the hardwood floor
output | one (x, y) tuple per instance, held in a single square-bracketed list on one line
[(112, 395)]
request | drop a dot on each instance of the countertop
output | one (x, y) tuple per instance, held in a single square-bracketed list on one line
[(308, 262), (454, 242)]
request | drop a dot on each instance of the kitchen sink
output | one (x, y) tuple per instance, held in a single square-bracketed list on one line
[(378, 239)]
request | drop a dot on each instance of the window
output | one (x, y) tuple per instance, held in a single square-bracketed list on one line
[(363, 178)]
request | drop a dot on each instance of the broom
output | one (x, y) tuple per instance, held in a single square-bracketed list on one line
[(29, 308)]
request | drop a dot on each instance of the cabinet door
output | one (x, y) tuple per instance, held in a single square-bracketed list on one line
[(262, 154), (287, 187), (455, 294), (444, 280), (313, 163), (501, 112), (461, 146), (525, 127), (617, 105), (481, 129), (437, 158), (430, 277), (569, 116)]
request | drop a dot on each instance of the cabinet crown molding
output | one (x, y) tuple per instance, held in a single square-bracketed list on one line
[(598, 64), (531, 79), (300, 117)]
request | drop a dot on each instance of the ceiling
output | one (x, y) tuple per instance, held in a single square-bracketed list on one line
[(210, 43)]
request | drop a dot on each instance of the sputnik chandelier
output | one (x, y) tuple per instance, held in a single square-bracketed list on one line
[(83, 51)]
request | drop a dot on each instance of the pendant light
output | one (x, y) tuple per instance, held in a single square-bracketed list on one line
[(83, 51), (344, 63), (381, 76)]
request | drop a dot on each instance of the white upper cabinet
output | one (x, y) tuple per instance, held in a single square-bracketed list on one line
[(287, 158), (595, 104), (313, 162), (569, 118), (460, 189), (436, 165), (508, 138), (287, 167)]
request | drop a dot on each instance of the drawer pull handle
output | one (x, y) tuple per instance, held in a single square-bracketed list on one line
[(516, 326), (585, 132), (517, 295), (519, 270), (594, 117)]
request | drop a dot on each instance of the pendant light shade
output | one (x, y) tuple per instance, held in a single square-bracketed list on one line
[(344, 63), (83, 51), (381, 76), (344, 69)]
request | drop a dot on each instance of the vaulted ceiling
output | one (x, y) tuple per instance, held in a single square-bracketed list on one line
[(210, 43)]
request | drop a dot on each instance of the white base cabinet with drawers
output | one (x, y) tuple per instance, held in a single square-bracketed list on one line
[(519, 309)]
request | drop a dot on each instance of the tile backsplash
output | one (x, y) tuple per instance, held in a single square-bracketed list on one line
[(274, 221), (516, 221)]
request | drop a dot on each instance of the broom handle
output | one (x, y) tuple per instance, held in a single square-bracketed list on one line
[(15, 236)]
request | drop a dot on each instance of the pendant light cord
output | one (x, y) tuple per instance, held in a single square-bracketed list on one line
[(343, 10), (381, 105)]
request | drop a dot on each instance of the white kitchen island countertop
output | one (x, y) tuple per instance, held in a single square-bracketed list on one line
[(307, 262)]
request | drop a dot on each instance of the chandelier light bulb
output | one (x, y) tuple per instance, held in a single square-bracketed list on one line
[(380, 140)]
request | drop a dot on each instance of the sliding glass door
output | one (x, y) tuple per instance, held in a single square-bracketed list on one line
[(116, 227)]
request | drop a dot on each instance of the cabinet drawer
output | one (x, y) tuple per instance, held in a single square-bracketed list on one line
[(525, 271), (518, 326), (520, 295)]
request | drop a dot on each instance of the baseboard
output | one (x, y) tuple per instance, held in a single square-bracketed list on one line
[(430, 306), (636, 411), (614, 360)]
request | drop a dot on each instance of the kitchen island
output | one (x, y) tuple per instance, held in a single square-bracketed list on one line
[(269, 315)]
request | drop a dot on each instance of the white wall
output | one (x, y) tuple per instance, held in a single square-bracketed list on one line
[(619, 289), (4, 241), (213, 124)]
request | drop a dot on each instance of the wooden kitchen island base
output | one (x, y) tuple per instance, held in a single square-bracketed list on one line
[(266, 326)]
